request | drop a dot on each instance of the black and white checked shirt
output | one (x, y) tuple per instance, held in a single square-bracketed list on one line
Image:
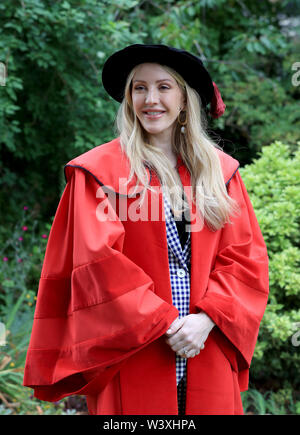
[(179, 266)]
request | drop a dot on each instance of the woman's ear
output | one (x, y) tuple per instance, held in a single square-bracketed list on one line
[(182, 105)]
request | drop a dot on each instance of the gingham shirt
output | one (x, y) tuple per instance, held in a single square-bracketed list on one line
[(179, 266)]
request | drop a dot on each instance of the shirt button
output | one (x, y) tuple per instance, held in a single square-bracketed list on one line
[(180, 273)]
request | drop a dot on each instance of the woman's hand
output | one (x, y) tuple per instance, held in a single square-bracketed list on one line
[(186, 336)]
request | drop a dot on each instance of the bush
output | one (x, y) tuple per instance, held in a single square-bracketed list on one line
[(21, 257), (268, 402), (273, 182)]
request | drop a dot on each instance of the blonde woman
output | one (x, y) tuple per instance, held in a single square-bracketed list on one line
[(155, 277)]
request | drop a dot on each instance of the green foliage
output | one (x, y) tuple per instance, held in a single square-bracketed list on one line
[(273, 183), (21, 257), (283, 402), (53, 106)]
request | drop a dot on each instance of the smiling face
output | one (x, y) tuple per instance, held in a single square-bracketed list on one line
[(157, 100)]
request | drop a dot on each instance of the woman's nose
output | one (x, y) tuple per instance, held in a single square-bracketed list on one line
[(152, 96)]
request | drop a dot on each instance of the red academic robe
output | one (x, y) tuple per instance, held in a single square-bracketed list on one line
[(104, 300)]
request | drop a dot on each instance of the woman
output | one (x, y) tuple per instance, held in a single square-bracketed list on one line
[(155, 277)]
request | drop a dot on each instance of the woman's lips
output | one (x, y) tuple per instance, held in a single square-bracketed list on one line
[(152, 114)]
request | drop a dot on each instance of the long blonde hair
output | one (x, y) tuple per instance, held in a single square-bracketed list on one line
[(196, 149)]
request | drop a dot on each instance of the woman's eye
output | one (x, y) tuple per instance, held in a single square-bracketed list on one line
[(141, 88)]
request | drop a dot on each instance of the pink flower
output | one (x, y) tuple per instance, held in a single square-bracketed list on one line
[(44, 236), (25, 207), (20, 238), (24, 228), (20, 260), (5, 259)]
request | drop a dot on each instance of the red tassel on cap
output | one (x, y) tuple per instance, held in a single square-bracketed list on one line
[(217, 105)]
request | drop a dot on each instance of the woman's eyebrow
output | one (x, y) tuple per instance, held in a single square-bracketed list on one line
[(157, 81)]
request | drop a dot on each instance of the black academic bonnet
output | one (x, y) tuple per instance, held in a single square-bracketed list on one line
[(119, 65)]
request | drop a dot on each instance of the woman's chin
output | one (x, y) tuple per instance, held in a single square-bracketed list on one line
[(155, 130)]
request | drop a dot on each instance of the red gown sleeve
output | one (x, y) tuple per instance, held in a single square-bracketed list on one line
[(238, 285), (95, 307)]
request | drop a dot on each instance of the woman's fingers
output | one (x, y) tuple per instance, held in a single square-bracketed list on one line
[(175, 326), (178, 345), (186, 336), (184, 352), (187, 352), (178, 342)]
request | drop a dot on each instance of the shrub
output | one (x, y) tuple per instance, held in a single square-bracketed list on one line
[(273, 182), (21, 257), (268, 402)]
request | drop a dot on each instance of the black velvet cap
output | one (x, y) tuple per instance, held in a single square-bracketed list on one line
[(118, 66)]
